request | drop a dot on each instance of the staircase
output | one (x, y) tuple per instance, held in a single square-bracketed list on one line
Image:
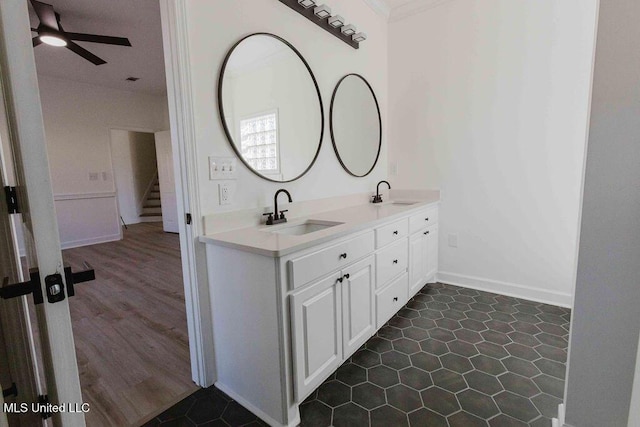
[(152, 205)]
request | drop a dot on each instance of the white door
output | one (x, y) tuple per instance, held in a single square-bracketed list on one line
[(417, 262), (166, 177), (317, 333), (358, 320), (33, 182)]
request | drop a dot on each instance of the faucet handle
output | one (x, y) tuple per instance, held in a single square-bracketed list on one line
[(282, 213), (269, 218)]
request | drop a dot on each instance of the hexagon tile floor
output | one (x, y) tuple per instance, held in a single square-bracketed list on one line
[(451, 357)]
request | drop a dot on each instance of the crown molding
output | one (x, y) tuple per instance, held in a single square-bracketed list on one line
[(380, 7), (413, 7)]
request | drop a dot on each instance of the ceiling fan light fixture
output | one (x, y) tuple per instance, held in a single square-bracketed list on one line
[(52, 38)]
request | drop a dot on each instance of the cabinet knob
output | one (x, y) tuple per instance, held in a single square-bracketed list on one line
[(426, 219), (395, 298), (426, 232), (395, 261), (346, 276), (344, 255), (340, 279), (395, 232)]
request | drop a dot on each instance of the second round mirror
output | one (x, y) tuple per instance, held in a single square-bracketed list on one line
[(356, 126)]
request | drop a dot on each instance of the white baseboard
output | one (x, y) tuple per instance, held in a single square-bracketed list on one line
[(257, 412), (91, 241), (559, 422), (504, 288)]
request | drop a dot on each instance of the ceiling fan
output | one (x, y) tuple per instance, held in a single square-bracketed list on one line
[(51, 32)]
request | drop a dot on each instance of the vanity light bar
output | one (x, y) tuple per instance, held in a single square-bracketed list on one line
[(322, 11), (348, 30), (307, 3), (360, 37), (321, 16), (336, 21)]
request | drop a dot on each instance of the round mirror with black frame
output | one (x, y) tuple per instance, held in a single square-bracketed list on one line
[(270, 107), (356, 125)]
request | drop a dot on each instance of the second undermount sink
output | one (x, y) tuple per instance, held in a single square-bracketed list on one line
[(306, 227)]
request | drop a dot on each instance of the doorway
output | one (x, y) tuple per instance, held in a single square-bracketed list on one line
[(116, 300)]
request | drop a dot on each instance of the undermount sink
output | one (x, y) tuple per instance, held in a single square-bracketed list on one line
[(306, 227), (398, 203)]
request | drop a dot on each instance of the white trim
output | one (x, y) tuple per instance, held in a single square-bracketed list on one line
[(413, 7), (257, 412), (82, 196), (380, 7), (173, 14), (505, 288), (91, 241)]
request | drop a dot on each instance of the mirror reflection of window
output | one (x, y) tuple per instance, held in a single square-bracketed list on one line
[(259, 142)]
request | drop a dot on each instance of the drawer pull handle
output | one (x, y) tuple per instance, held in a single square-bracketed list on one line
[(395, 298), (346, 276), (395, 232), (344, 255), (425, 233), (340, 279), (395, 261)]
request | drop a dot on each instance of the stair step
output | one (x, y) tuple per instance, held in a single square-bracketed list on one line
[(150, 203), (156, 210), (149, 215), (156, 188)]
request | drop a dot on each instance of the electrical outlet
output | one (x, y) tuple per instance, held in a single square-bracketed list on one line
[(93, 176), (453, 240), (105, 176), (225, 193)]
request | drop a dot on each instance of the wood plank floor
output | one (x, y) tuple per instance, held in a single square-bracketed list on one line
[(130, 327)]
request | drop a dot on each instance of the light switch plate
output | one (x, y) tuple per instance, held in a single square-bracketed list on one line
[(453, 240), (222, 168)]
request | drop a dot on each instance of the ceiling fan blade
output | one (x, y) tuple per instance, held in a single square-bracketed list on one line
[(85, 53), (94, 38), (36, 41), (46, 14)]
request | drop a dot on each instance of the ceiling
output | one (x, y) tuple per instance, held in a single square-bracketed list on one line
[(137, 20)]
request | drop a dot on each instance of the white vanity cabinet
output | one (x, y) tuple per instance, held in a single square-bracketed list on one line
[(283, 323), (330, 319), (423, 249)]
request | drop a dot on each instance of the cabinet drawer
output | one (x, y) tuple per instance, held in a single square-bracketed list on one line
[(391, 299), (316, 264), (392, 232), (423, 219), (391, 261)]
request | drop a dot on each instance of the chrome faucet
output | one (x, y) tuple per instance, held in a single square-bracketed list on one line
[(378, 197), (279, 216)]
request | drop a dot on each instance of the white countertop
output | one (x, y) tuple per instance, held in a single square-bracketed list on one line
[(263, 241)]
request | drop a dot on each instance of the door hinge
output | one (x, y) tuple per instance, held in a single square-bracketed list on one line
[(43, 400), (31, 286), (12, 199), (11, 391), (188, 215)]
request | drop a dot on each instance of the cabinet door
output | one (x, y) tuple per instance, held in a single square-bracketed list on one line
[(317, 333), (417, 262), (431, 248), (358, 322)]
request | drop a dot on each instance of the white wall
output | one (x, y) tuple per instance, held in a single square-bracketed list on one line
[(488, 102), (134, 166), (213, 29), (606, 317), (77, 120)]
